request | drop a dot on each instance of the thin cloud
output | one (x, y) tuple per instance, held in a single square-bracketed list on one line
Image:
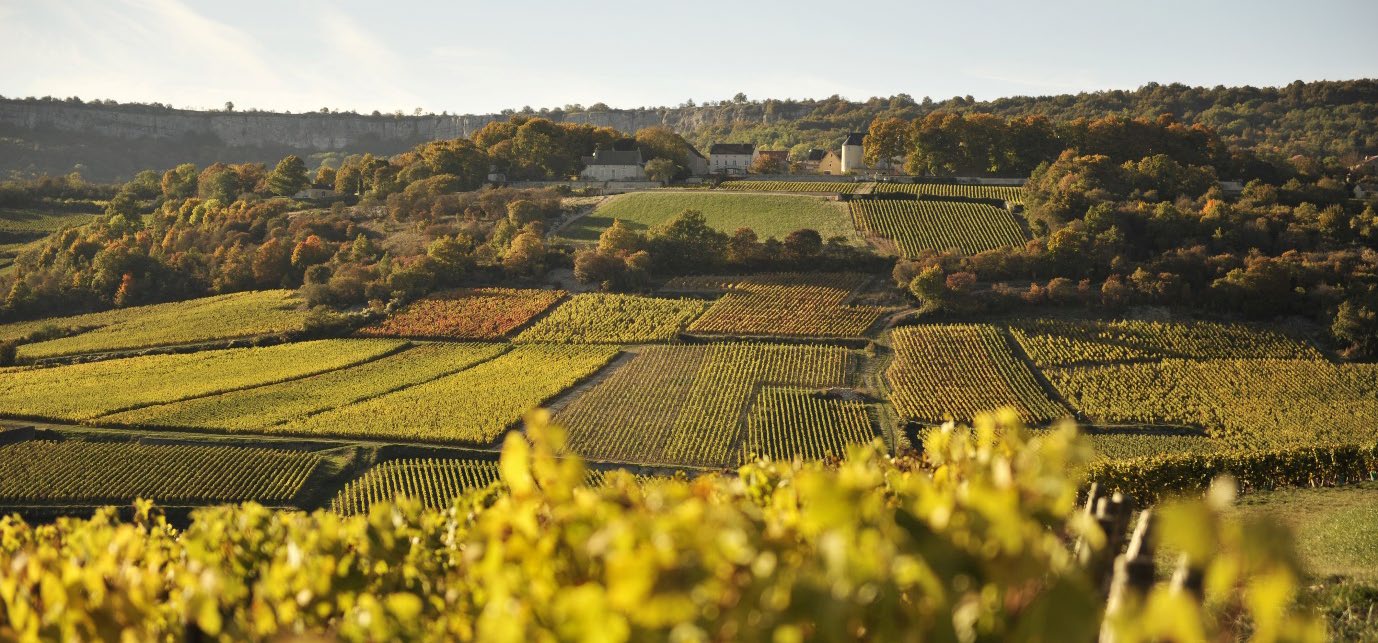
[(370, 60), (207, 37)]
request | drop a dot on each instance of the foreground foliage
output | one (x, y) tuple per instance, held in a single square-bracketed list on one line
[(969, 544)]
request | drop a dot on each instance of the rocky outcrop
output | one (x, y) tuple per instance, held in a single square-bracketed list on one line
[(326, 132)]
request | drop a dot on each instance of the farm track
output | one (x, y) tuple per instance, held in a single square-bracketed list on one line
[(559, 402)]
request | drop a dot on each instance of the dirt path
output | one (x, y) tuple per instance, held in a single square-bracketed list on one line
[(583, 210)]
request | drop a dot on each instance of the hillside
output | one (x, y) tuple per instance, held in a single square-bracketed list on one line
[(111, 142)]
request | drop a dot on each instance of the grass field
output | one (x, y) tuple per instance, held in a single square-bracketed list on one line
[(86, 391), (1336, 528), (244, 314), (770, 215), (75, 471)]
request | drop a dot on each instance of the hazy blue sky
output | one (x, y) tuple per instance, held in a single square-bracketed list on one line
[(482, 57)]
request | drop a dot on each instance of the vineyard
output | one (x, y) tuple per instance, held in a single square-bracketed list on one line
[(474, 405), (207, 319), (882, 549), (471, 313), (86, 391), (1055, 342), (293, 400), (956, 371), (1247, 404), (435, 482), (599, 318), (781, 305), (74, 471), (1127, 444), (790, 423), (834, 187), (685, 405), (770, 215), (916, 226), (1010, 193)]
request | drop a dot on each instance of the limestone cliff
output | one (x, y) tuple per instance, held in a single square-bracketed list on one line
[(108, 142)]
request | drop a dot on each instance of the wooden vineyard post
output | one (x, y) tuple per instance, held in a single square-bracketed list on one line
[(1134, 573)]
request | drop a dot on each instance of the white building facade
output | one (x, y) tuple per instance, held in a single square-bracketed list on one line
[(731, 158), (852, 156)]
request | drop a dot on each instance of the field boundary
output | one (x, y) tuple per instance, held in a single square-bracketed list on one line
[(372, 358)]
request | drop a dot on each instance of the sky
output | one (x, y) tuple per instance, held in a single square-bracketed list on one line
[(470, 57)]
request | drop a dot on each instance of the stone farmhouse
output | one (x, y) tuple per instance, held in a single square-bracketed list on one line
[(730, 158), (614, 165), (809, 163), (698, 164)]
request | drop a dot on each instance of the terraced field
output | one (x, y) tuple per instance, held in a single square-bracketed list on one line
[(475, 405), (686, 405), (1249, 404), (770, 215), (916, 226), (781, 305), (954, 371), (244, 314), (86, 391), (469, 313), (835, 187), (789, 423), (1055, 342), (435, 482), (76, 471), (265, 406), (25, 227), (602, 318), (1011, 193)]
